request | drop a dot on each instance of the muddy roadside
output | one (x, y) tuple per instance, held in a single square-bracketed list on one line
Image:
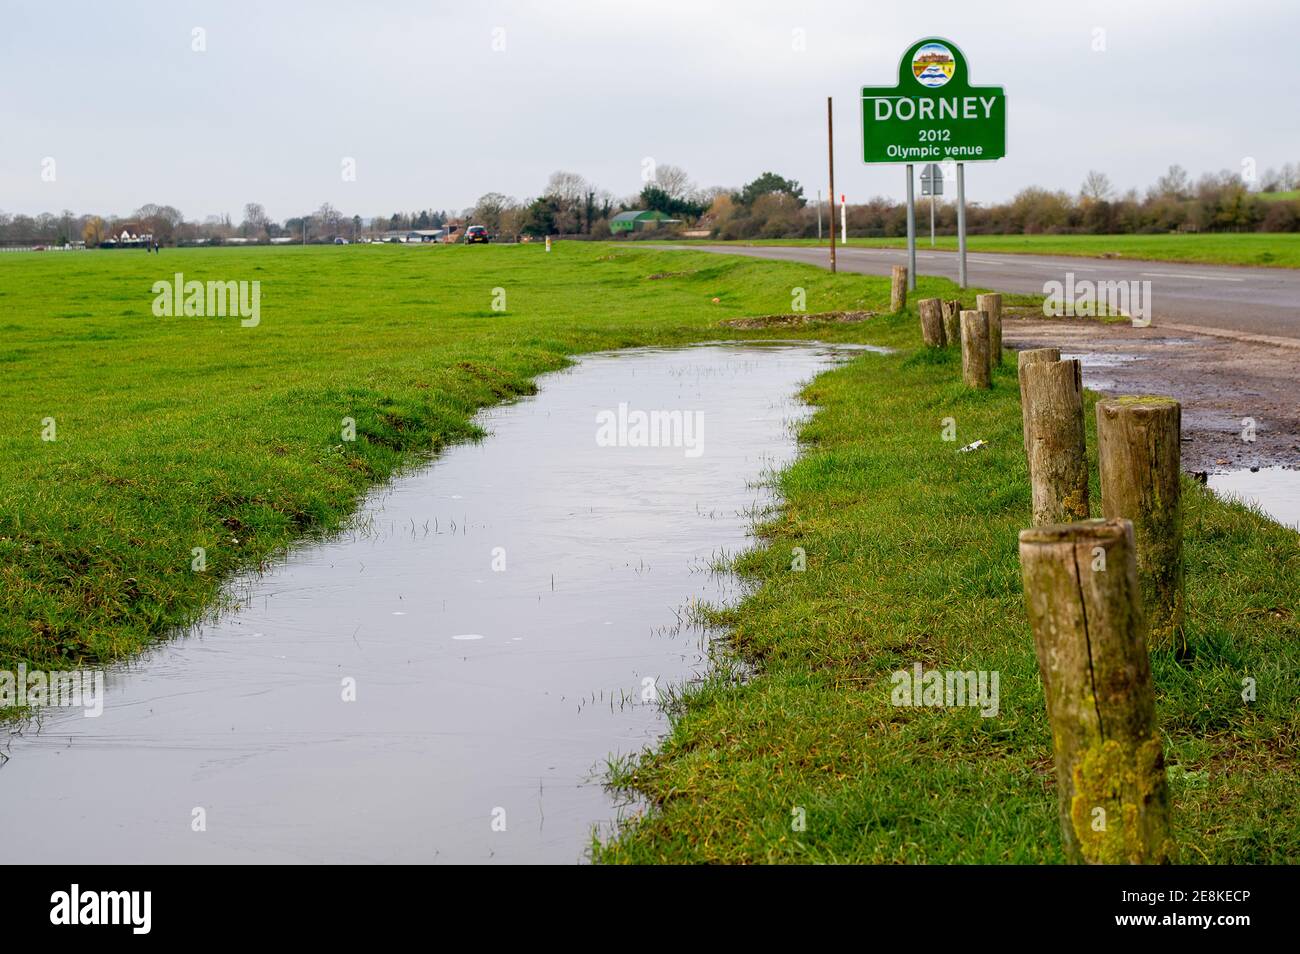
[(1221, 383)]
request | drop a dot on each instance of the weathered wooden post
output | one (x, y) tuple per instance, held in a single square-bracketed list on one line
[(1139, 456), (931, 311), (898, 288), (992, 303), (975, 349), (952, 323), (1085, 611), (1058, 455), (1028, 357)]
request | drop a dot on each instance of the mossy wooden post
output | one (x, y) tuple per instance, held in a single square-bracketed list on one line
[(1058, 456), (952, 323), (1138, 454), (931, 311), (898, 288), (992, 303), (1028, 357), (975, 349), (1085, 611)]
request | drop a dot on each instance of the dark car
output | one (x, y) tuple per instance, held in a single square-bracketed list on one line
[(476, 233)]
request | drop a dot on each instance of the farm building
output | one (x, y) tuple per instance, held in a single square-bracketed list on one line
[(636, 219)]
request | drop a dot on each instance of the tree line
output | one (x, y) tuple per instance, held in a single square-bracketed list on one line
[(770, 206)]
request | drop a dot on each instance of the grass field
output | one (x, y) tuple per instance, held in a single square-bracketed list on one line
[(177, 433), (912, 557), (1280, 249)]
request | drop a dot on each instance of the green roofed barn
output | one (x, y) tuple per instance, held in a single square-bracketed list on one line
[(639, 219)]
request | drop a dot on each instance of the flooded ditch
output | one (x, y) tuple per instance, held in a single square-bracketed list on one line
[(445, 680)]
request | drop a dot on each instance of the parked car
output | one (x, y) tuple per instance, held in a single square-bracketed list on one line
[(476, 233)]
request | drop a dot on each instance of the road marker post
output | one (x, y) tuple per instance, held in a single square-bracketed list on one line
[(1058, 455), (1029, 357), (992, 303), (975, 350), (952, 323), (1139, 459), (931, 312), (1089, 630), (897, 288)]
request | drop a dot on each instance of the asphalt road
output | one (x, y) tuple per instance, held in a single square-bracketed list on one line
[(1260, 301)]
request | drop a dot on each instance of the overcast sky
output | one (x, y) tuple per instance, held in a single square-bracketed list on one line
[(434, 116)]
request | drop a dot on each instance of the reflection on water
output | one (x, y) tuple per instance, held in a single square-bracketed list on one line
[(1275, 490), (503, 619)]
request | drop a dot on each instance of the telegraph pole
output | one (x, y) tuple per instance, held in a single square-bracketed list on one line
[(830, 155)]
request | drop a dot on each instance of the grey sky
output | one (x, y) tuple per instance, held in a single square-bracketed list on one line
[(434, 117)]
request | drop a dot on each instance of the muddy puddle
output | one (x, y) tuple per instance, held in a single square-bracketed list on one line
[(1274, 490), (444, 681)]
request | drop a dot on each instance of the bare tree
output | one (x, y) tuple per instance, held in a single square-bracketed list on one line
[(1096, 187), (569, 192), (489, 210), (1174, 184), (329, 219), (674, 181), (255, 219)]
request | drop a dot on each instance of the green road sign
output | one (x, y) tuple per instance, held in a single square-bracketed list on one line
[(934, 113)]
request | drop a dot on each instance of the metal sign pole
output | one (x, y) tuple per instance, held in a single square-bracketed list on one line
[(911, 232), (961, 224), (932, 218)]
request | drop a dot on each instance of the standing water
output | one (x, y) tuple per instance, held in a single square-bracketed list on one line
[(446, 681)]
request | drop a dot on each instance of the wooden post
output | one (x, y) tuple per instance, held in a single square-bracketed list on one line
[(975, 349), (1058, 457), (992, 303), (1028, 357), (1084, 608), (952, 323), (898, 288), (931, 311), (1138, 454)]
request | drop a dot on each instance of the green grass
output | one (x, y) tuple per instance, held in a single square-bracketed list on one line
[(912, 557), (181, 433), (1275, 249), (176, 433)]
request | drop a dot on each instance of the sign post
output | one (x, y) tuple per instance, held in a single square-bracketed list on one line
[(961, 225), (934, 114), (931, 185), (911, 233)]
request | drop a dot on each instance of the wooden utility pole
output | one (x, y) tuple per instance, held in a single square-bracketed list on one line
[(1058, 456), (975, 349), (1029, 357), (1085, 611), (1139, 457), (830, 157), (931, 312)]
